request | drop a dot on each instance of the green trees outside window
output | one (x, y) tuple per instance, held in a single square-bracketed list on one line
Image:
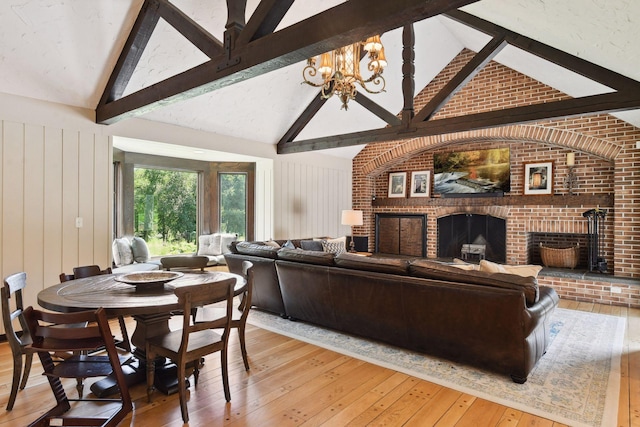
[(165, 210), (233, 203)]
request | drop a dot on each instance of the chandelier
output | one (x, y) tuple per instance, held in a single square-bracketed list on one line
[(340, 70)]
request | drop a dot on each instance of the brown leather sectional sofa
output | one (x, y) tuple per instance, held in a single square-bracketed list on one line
[(499, 321)]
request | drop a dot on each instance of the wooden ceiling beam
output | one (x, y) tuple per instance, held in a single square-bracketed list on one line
[(467, 73), (264, 20), (132, 50), (603, 103), (376, 109), (191, 30), (350, 21), (303, 119), (578, 65)]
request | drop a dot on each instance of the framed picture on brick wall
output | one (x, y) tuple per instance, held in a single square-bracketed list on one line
[(420, 184), (397, 184), (538, 178)]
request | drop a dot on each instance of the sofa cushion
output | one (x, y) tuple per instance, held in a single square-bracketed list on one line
[(122, 252), (435, 270), (311, 245), (380, 265), (140, 249), (310, 257), (255, 249)]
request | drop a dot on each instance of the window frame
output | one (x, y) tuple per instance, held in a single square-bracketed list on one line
[(208, 215)]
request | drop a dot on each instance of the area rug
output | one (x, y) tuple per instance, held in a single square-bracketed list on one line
[(577, 382)]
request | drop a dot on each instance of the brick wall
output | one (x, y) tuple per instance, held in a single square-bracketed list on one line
[(607, 162)]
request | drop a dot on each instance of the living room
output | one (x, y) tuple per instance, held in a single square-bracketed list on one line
[(57, 164)]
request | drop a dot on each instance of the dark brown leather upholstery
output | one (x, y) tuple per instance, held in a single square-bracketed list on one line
[(483, 326), (266, 289), (499, 322)]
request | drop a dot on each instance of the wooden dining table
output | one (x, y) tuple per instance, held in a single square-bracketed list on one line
[(150, 305)]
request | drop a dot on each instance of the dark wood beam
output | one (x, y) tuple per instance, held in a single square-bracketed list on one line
[(604, 103), (190, 29), (131, 52), (303, 120), (408, 73), (264, 20), (467, 73), (578, 65), (350, 21), (376, 109)]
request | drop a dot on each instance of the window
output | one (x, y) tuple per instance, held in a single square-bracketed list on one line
[(205, 197), (233, 203), (165, 210)]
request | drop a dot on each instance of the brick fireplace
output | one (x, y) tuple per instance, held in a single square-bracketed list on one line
[(606, 171)]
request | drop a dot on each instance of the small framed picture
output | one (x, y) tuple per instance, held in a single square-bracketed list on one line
[(538, 178), (397, 184), (420, 184)]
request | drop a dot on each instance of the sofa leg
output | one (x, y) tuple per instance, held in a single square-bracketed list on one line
[(293, 319), (518, 380)]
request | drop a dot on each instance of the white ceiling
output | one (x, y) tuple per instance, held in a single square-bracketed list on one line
[(63, 51)]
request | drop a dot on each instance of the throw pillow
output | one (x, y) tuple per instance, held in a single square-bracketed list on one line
[(340, 240), (272, 243), (468, 267), (140, 249), (333, 247), (491, 267), (289, 245), (209, 244), (122, 253), (528, 270), (311, 245), (464, 265), (226, 239)]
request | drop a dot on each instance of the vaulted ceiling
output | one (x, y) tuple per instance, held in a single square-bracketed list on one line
[(65, 52)]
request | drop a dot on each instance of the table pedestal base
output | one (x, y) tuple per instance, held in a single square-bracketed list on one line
[(135, 372)]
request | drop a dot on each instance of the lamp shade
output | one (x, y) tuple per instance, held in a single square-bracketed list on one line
[(351, 217)]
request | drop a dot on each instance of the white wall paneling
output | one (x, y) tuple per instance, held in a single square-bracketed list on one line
[(56, 165)]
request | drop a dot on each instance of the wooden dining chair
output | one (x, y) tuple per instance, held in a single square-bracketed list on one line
[(48, 337), (94, 270), (13, 315), (239, 316), (184, 262), (186, 346)]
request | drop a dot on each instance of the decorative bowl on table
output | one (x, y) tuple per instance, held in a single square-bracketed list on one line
[(146, 279)]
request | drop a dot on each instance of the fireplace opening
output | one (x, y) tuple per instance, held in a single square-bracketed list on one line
[(557, 240), (472, 236)]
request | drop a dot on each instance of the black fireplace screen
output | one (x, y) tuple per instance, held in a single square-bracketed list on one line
[(454, 231)]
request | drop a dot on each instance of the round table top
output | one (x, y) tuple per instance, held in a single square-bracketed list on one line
[(119, 298)]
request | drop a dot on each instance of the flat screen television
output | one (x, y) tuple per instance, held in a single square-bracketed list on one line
[(472, 172)]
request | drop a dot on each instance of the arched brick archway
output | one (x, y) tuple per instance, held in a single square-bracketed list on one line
[(599, 147)]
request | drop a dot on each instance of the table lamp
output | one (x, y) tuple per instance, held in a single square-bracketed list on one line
[(351, 217)]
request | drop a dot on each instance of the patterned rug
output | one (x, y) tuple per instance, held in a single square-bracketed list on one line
[(577, 382)]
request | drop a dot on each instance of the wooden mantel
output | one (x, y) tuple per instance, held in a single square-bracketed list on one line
[(590, 200)]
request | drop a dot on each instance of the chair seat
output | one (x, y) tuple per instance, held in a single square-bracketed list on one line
[(84, 366), (197, 340)]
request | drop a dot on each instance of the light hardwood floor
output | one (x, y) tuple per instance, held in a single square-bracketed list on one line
[(292, 383)]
